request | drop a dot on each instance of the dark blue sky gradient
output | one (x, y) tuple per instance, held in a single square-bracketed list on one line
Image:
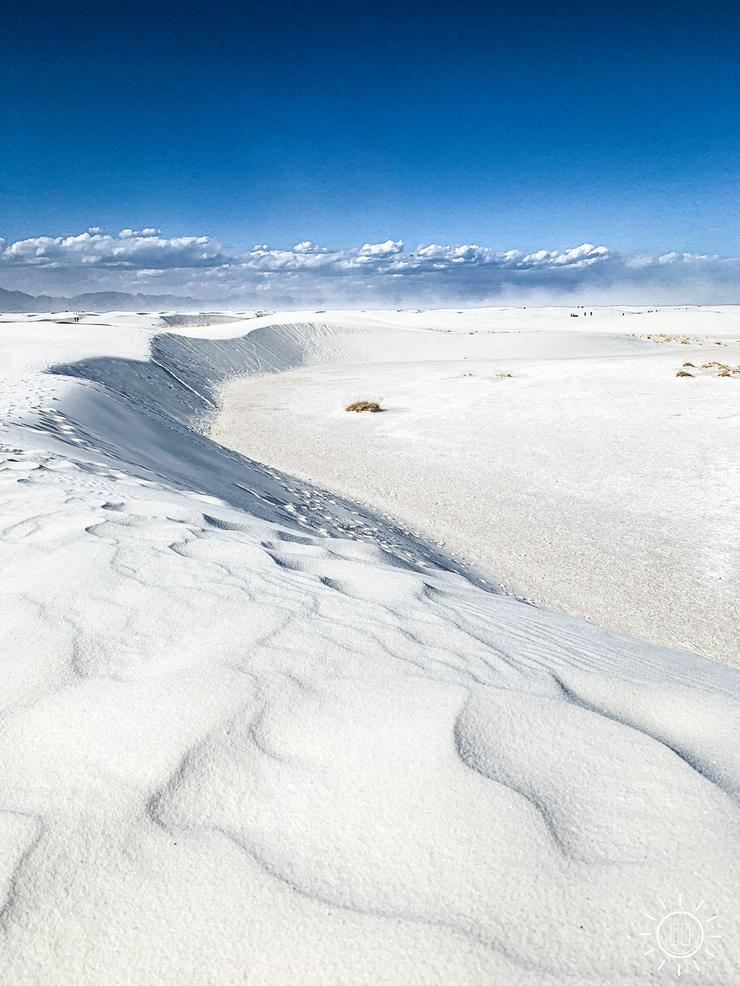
[(510, 124)]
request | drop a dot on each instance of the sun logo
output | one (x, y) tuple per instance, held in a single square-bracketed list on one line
[(680, 937)]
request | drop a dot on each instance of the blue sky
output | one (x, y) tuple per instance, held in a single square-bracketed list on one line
[(516, 126)]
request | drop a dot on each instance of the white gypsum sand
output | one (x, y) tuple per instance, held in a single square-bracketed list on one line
[(253, 733), (572, 464)]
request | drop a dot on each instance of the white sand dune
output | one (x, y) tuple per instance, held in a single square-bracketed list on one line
[(591, 480), (254, 733)]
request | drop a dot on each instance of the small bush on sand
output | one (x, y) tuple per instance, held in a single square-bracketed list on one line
[(684, 373), (371, 406), (723, 369), (688, 364), (503, 373)]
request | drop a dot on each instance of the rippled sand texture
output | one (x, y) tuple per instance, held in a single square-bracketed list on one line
[(253, 733)]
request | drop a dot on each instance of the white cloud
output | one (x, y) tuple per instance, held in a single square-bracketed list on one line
[(306, 246), (379, 251), (130, 248), (388, 271), (129, 234)]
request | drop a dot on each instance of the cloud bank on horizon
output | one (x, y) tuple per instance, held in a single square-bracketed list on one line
[(390, 272)]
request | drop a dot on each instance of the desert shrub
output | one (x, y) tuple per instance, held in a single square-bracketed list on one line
[(684, 373), (371, 406), (503, 373)]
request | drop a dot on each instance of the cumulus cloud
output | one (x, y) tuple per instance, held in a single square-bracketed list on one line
[(385, 272), (129, 249)]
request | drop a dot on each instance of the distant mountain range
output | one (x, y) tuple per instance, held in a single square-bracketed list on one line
[(96, 301)]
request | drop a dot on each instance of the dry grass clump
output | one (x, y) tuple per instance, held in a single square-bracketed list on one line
[(723, 369), (667, 337), (504, 373), (358, 406)]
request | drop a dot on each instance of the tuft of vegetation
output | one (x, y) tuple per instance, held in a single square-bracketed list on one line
[(723, 369), (503, 373), (684, 373), (371, 406)]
